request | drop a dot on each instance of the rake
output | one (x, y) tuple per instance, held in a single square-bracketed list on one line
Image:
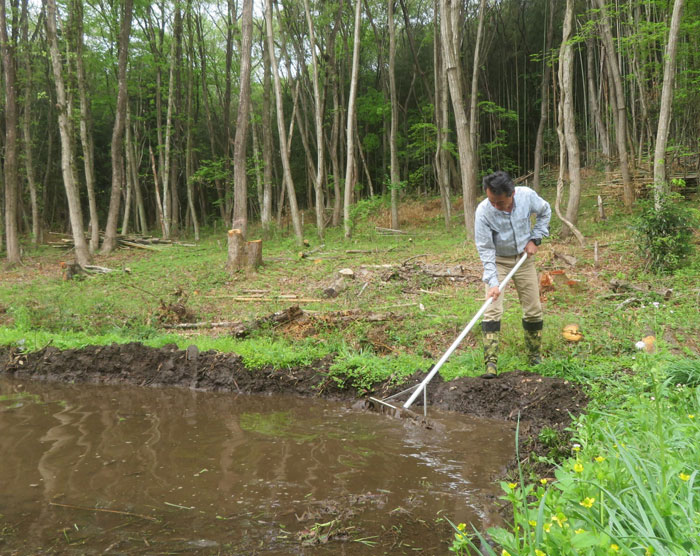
[(422, 387)]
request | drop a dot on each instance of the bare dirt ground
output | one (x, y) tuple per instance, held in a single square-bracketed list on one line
[(536, 401)]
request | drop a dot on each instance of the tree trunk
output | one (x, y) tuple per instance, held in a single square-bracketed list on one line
[(449, 27), (11, 122), (69, 181), (86, 137), (189, 147), (26, 128), (240, 178), (665, 108), (350, 170), (289, 183), (568, 143), (544, 98), (132, 168), (395, 175), (110, 241), (441, 123), (267, 146), (601, 131), (318, 118), (620, 112)]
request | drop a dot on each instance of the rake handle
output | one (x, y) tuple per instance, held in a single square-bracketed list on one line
[(461, 337)]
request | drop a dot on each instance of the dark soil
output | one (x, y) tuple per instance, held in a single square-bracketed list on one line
[(536, 400)]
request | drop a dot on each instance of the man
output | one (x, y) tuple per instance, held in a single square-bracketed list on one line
[(503, 232)]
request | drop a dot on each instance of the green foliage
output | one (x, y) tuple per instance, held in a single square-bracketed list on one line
[(629, 488), (362, 370), (664, 234), (683, 372)]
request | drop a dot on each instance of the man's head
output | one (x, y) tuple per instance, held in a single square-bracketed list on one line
[(499, 189)]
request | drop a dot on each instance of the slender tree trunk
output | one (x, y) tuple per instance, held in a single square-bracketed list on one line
[(132, 167), (86, 137), (568, 143), (189, 154), (8, 49), (449, 27), (289, 183), (441, 122), (350, 167), (601, 132), (69, 181), (660, 177), (26, 127), (267, 146), (318, 118), (474, 113), (620, 112), (166, 171), (240, 179), (110, 241), (395, 175), (544, 98)]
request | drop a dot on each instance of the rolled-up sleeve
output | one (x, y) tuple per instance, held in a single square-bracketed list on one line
[(483, 237)]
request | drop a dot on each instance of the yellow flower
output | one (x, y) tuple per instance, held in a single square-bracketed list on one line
[(532, 523), (576, 448), (579, 531), (587, 502), (614, 548), (543, 481), (600, 459), (512, 486), (684, 477), (504, 552), (691, 416), (538, 552), (578, 467), (459, 537), (547, 527), (462, 526)]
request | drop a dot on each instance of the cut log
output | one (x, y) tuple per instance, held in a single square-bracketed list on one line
[(622, 286), (275, 319), (338, 286)]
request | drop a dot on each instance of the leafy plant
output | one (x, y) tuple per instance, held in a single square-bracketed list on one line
[(664, 233)]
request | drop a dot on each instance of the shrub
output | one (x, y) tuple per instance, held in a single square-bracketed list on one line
[(664, 234)]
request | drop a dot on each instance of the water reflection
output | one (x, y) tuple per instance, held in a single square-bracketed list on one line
[(88, 469)]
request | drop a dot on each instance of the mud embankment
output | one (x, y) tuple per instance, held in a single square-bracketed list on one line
[(535, 400)]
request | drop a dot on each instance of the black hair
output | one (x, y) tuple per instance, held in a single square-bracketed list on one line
[(499, 183)]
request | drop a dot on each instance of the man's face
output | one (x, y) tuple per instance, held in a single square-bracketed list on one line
[(500, 202)]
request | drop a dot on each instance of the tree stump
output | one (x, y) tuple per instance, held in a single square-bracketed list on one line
[(241, 253), (254, 253), (237, 255)]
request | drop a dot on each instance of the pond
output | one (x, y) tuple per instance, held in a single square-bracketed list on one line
[(87, 469)]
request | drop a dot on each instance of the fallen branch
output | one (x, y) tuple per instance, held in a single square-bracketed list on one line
[(251, 299), (194, 325), (390, 231)]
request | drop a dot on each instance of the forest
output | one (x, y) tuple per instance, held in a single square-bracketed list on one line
[(171, 116)]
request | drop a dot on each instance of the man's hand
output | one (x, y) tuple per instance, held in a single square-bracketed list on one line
[(531, 248), (493, 292)]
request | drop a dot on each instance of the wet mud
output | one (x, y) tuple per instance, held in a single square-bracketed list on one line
[(519, 396)]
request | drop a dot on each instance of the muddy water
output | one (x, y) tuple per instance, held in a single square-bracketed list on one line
[(88, 469)]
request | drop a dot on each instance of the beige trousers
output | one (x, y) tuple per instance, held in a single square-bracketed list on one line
[(526, 284)]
